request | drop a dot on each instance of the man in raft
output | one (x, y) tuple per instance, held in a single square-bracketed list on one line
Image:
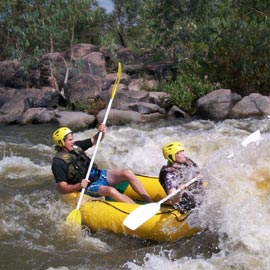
[(179, 170), (71, 163)]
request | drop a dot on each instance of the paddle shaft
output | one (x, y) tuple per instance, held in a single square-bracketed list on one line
[(177, 191), (144, 212), (100, 135), (89, 169), (254, 137)]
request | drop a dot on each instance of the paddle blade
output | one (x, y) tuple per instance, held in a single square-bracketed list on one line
[(74, 219), (140, 215), (254, 137), (116, 83)]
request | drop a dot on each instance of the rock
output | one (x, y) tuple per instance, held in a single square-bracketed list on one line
[(143, 108), (83, 88), (53, 70), (74, 120), (124, 97), (79, 51), (134, 69), (176, 112), (135, 85), (110, 79), (158, 97), (152, 117), (118, 117), (217, 104), (126, 55), (37, 116), (94, 63), (18, 101), (255, 105), (11, 74), (79, 77), (6, 94)]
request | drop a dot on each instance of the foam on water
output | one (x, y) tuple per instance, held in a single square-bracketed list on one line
[(236, 208), (19, 167), (235, 212)]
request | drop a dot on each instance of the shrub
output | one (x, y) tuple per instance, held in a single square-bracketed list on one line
[(185, 90)]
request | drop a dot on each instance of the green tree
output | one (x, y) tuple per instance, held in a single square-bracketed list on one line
[(238, 56), (226, 41), (38, 26), (123, 21)]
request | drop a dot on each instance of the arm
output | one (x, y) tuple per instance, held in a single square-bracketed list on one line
[(65, 188), (175, 199), (101, 128), (178, 197)]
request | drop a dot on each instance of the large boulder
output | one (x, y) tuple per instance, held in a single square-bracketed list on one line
[(118, 117), (83, 87), (79, 51), (85, 75), (143, 107), (217, 104), (38, 116), (94, 63), (12, 74), (15, 102), (110, 79), (74, 120), (254, 105), (53, 69), (123, 97)]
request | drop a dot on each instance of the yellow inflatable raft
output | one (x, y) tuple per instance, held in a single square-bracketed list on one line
[(104, 215)]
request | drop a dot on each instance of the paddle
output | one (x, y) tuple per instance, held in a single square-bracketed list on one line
[(141, 214), (253, 137), (74, 218)]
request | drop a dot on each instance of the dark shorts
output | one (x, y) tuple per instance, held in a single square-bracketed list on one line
[(92, 189)]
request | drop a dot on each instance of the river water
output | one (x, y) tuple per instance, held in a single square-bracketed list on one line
[(235, 215)]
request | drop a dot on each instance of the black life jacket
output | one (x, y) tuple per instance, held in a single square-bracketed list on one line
[(77, 165)]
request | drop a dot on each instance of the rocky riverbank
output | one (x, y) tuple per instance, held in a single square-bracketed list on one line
[(82, 79)]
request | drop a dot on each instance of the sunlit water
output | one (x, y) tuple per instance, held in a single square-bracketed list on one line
[(235, 215)]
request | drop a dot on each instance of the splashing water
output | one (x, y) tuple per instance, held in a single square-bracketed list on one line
[(234, 214)]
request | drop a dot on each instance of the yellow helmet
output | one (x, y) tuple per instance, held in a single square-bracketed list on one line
[(59, 135), (170, 149)]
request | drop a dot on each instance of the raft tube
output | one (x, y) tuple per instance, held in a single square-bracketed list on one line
[(101, 214)]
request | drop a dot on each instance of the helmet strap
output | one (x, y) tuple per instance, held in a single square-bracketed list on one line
[(170, 157)]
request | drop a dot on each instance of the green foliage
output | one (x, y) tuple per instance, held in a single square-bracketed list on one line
[(122, 23), (96, 106), (92, 107), (47, 26), (239, 56), (227, 41), (185, 90)]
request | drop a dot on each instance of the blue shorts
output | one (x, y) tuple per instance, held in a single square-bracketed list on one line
[(92, 189)]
